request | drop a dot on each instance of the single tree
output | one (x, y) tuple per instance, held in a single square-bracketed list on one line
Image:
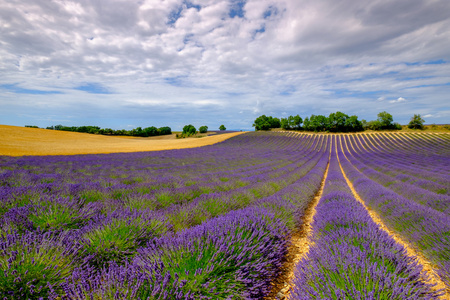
[(189, 130), (203, 129), (261, 123), (222, 127), (416, 122), (385, 120)]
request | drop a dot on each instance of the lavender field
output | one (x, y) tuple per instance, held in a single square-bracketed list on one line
[(216, 222)]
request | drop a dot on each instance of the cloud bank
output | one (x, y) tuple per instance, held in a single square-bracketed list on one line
[(172, 62)]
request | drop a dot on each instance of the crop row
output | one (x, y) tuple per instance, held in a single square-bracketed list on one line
[(434, 198), (350, 257), (429, 160), (402, 166), (423, 224)]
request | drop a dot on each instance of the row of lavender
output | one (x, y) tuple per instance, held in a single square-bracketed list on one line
[(426, 192), (350, 257), (414, 209), (428, 162), (204, 223)]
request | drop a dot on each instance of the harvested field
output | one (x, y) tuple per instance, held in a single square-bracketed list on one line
[(19, 141)]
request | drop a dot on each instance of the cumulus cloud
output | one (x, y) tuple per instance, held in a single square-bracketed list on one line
[(398, 100), (254, 56)]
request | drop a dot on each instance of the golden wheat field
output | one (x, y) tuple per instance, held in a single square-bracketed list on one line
[(19, 141)]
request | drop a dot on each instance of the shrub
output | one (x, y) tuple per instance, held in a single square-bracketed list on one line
[(116, 239), (34, 266), (224, 258), (203, 129), (222, 127)]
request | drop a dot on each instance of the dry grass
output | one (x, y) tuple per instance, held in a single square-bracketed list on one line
[(19, 141)]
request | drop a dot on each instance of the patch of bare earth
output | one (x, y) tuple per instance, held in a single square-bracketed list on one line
[(428, 270), (19, 141), (299, 248)]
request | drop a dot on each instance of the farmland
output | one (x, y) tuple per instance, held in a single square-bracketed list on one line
[(18, 141), (221, 221)]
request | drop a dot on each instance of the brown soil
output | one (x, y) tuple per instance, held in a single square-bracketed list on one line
[(428, 270), (299, 248), (19, 141)]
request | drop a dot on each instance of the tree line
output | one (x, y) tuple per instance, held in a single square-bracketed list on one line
[(139, 131), (335, 122), (188, 130)]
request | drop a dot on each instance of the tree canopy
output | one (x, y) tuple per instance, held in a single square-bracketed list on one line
[(335, 122), (416, 122), (138, 131), (189, 130), (292, 122), (266, 122)]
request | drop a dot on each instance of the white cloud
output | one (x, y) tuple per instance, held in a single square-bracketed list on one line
[(398, 100)]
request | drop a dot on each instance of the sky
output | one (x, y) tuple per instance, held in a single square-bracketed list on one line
[(124, 64)]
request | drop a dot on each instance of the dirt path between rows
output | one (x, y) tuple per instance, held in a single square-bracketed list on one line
[(427, 270), (301, 242)]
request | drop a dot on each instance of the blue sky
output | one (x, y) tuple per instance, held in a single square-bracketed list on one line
[(124, 64)]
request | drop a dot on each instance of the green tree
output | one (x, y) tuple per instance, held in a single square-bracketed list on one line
[(274, 122), (165, 130), (203, 129), (284, 123), (318, 123), (385, 120), (189, 130), (307, 124), (416, 122), (337, 121), (292, 122), (262, 123), (222, 127), (266, 122), (353, 124), (150, 131), (296, 122)]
